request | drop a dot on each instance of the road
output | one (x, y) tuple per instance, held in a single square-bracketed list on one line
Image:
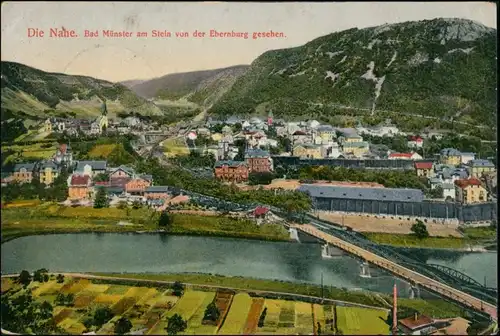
[(401, 271)]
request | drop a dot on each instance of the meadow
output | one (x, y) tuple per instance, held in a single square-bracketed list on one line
[(148, 309), (175, 146)]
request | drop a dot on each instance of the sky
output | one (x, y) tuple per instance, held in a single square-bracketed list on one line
[(118, 59)]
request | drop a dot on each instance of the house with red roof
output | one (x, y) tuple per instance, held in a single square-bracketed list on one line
[(415, 141), (80, 187), (424, 169), (405, 156), (260, 212), (471, 190)]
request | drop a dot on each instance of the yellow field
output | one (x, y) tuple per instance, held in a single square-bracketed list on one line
[(237, 316), (319, 315), (272, 316), (194, 324), (99, 151), (96, 288), (361, 321), (303, 318), (188, 304), (107, 298)]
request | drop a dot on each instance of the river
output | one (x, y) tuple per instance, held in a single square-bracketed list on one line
[(297, 262)]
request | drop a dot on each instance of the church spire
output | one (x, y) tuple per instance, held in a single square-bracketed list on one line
[(104, 109)]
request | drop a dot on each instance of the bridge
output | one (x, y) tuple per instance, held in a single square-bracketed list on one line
[(402, 271)]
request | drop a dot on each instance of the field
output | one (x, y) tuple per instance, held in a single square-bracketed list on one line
[(34, 151), (175, 146), (354, 321), (100, 151), (148, 309)]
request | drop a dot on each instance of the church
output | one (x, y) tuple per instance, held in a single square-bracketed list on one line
[(101, 123)]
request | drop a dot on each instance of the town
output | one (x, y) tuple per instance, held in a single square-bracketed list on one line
[(273, 153)]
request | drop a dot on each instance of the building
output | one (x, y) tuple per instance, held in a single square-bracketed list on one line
[(416, 325), (424, 169), (80, 187), (91, 168), (466, 157), (231, 171), (138, 185), (352, 137), (356, 148), (469, 191), (415, 142), (300, 137), (326, 132), (156, 192), (309, 151), (450, 156), (49, 171), (405, 156), (258, 160), (121, 172), (64, 155), (448, 190), (479, 167), (326, 193), (47, 126), (23, 172)]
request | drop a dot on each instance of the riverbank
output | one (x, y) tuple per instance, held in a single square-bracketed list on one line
[(437, 308), (53, 219), (473, 240)]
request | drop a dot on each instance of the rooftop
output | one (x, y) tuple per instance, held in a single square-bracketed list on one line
[(464, 183), (415, 322), (481, 163), (450, 152), (230, 163), (384, 194), (256, 153), (423, 165), (79, 180), (96, 165), (359, 144)]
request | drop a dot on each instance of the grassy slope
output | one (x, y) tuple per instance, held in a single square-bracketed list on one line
[(51, 218), (472, 236)]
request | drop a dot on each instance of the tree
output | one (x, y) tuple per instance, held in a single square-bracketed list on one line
[(178, 288), (102, 315), (60, 278), (136, 205), (46, 310), (103, 177), (420, 230), (122, 326), (24, 278), (437, 192), (212, 313), (175, 325), (40, 275), (101, 199), (318, 329), (260, 178), (122, 205), (165, 221)]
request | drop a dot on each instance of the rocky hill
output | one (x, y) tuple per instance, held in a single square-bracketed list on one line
[(436, 73), (34, 94), (200, 87)]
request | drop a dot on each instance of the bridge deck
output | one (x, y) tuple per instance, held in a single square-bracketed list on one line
[(401, 271)]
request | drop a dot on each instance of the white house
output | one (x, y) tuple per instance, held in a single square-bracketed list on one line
[(466, 157), (313, 124), (415, 142), (448, 190)]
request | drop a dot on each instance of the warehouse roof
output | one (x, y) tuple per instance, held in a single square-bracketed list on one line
[(382, 194)]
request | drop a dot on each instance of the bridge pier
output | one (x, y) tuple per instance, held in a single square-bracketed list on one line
[(365, 270), (294, 234), (414, 291)]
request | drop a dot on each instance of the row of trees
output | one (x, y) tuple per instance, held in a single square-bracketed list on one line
[(388, 178)]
